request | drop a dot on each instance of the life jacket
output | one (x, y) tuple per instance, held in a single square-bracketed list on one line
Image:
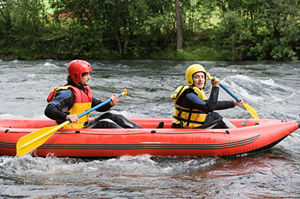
[(188, 117), (82, 103)]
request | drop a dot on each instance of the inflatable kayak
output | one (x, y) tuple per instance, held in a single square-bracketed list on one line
[(249, 136)]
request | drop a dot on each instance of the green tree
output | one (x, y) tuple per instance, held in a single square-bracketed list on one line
[(278, 30), (24, 22), (232, 36), (113, 29), (258, 29), (178, 24)]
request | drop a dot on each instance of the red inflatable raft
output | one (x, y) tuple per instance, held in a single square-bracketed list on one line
[(251, 135)]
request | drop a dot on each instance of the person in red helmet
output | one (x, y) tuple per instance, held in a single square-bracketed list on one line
[(65, 103)]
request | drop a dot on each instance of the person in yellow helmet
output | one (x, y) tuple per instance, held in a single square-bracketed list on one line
[(193, 109)]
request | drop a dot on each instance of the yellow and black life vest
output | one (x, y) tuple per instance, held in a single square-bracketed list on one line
[(82, 103), (188, 117)]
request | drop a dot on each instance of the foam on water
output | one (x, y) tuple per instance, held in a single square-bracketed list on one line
[(271, 89), (27, 174), (50, 65)]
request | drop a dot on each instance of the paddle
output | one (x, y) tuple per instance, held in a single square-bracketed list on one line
[(33, 140), (246, 106)]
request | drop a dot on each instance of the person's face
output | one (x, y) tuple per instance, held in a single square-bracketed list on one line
[(85, 77), (199, 80)]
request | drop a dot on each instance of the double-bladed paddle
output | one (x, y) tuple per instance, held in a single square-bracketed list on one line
[(33, 140), (246, 106)]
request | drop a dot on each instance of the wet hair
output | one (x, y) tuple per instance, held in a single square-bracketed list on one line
[(72, 83), (69, 80)]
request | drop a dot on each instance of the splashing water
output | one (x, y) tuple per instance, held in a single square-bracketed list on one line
[(272, 89)]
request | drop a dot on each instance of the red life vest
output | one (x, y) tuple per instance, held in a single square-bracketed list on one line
[(82, 103)]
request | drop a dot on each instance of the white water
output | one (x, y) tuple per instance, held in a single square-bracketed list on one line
[(272, 89)]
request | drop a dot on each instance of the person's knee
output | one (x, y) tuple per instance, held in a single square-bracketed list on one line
[(215, 116), (114, 117), (106, 123), (107, 115), (212, 117)]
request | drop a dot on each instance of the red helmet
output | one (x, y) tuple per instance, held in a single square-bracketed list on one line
[(76, 68)]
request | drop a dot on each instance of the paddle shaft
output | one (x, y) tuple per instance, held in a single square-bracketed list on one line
[(99, 105), (246, 106), (228, 91)]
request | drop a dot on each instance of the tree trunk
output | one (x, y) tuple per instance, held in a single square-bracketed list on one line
[(178, 25), (125, 45), (116, 28), (119, 43), (233, 48)]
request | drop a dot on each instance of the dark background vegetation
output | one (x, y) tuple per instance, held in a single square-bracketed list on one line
[(150, 29)]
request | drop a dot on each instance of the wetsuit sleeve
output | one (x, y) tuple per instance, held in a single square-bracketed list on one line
[(53, 113), (224, 105), (213, 102), (61, 103), (191, 100), (104, 108)]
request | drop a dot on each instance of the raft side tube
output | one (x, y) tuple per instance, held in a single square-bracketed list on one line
[(298, 123)]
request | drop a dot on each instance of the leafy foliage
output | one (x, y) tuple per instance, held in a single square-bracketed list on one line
[(133, 29)]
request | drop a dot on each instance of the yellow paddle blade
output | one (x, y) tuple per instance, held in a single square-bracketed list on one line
[(124, 92), (250, 110), (33, 140)]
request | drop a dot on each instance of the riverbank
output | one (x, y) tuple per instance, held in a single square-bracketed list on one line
[(192, 53), (61, 30)]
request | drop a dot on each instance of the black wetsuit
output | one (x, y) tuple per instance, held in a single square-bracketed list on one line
[(190, 99)]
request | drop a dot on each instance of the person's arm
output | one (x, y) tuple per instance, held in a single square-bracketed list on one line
[(225, 105), (191, 100), (228, 104), (104, 108), (220, 105), (54, 113), (209, 105), (114, 100), (62, 101), (212, 101)]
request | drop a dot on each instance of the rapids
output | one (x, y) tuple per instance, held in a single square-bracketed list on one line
[(271, 88)]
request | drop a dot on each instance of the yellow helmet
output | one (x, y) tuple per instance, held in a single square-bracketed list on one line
[(192, 69)]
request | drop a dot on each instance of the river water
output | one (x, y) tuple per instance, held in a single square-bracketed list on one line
[(271, 88)]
